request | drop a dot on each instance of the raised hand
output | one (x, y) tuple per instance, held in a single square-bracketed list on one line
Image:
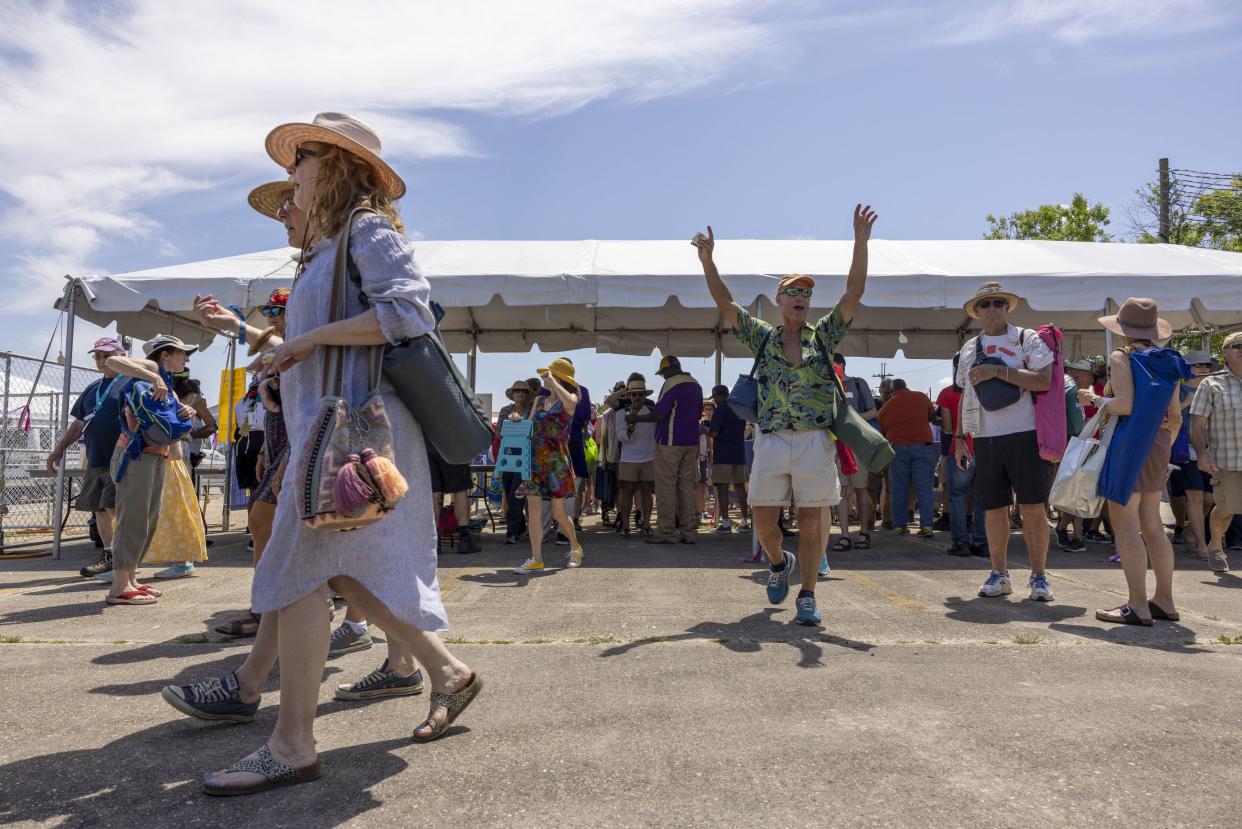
[(707, 247), (864, 220), (213, 314)]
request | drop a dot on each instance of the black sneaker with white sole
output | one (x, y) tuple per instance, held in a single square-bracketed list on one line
[(102, 565), (381, 683), (218, 698)]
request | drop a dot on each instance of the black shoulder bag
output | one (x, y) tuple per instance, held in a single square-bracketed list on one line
[(431, 386), (996, 394)]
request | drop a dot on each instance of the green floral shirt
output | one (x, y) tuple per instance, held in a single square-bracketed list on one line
[(793, 397)]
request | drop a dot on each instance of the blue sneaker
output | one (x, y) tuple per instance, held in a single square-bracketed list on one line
[(1041, 591), (807, 612), (998, 584), (778, 582), (184, 570), (824, 570)]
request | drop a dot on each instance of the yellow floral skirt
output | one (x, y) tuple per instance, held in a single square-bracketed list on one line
[(179, 535)]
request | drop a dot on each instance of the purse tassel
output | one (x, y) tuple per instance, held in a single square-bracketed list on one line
[(350, 492), (385, 476)]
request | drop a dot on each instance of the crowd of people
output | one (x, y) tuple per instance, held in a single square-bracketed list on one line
[(658, 463)]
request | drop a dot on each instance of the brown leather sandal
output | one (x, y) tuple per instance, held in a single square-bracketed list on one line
[(453, 704), (273, 772)]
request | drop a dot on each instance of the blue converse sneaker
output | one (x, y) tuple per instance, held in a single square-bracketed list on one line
[(218, 698), (824, 570), (182, 570), (998, 584), (778, 580), (807, 612), (1041, 591)]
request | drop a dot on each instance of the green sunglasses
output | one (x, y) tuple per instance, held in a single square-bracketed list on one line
[(795, 291)]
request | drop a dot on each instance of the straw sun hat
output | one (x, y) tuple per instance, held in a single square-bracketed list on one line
[(339, 130), (267, 198), (562, 370), (988, 290)]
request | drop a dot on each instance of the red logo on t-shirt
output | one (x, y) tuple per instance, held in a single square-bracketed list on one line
[(992, 349)]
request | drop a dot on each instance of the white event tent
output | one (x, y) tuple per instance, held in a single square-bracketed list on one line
[(632, 297)]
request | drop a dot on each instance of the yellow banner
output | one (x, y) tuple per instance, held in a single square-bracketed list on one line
[(230, 393)]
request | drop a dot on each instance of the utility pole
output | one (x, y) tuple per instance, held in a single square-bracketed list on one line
[(1164, 200), (883, 375)]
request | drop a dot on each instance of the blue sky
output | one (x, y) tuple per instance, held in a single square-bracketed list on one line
[(137, 140)]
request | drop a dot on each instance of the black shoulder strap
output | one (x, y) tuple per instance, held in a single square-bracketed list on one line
[(763, 348), (833, 379)]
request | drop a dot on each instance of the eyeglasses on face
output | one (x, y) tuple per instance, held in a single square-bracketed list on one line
[(301, 153), (793, 291), (983, 305), (273, 311), (1234, 345)]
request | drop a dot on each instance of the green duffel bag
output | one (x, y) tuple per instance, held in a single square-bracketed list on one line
[(872, 451)]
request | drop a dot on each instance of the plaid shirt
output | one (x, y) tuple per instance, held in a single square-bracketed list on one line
[(1219, 400), (793, 397)]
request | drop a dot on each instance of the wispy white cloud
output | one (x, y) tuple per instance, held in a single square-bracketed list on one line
[(1077, 22), (109, 110)]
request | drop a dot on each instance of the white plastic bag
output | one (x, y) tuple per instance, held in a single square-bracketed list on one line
[(1078, 478)]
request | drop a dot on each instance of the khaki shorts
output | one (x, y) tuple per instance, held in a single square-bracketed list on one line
[(794, 466), (98, 490), (859, 480), (637, 472), (728, 473), (1227, 490)]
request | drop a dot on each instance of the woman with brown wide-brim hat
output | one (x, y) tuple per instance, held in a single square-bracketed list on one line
[(388, 569), (1148, 416)]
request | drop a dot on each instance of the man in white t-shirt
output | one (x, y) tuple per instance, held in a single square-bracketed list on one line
[(999, 369)]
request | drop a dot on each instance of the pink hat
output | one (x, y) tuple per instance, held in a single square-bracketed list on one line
[(108, 345)]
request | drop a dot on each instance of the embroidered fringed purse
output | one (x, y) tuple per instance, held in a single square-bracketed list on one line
[(346, 477)]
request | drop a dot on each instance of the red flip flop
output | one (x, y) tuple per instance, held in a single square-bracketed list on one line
[(134, 597), (150, 591)]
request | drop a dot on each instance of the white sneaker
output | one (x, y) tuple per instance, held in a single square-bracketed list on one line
[(574, 558), (529, 566), (743, 526), (998, 584), (1041, 591), (725, 526)]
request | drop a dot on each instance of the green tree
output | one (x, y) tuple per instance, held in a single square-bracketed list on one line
[(1198, 217), (1076, 222)]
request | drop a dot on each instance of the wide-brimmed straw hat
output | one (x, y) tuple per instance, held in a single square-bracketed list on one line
[(518, 385), (339, 130), (989, 290), (1138, 319), (562, 370), (637, 387), (267, 198)]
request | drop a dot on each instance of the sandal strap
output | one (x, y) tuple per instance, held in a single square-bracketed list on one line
[(264, 765)]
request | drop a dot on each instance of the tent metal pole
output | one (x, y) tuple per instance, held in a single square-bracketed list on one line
[(230, 446), (67, 379), (719, 356), (472, 364), (1108, 335)]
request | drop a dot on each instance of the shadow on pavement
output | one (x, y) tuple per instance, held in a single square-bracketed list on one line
[(151, 777), (1224, 580), (1164, 636), (980, 611), (748, 634)]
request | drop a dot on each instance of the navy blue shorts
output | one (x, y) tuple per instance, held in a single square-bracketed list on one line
[(1188, 477)]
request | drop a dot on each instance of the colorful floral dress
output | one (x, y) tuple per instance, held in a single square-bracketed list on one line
[(551, 475)]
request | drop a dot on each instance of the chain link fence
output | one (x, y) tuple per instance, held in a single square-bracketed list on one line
[(31, 398)]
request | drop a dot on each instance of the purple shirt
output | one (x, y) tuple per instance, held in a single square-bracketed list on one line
[(679, 407)]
